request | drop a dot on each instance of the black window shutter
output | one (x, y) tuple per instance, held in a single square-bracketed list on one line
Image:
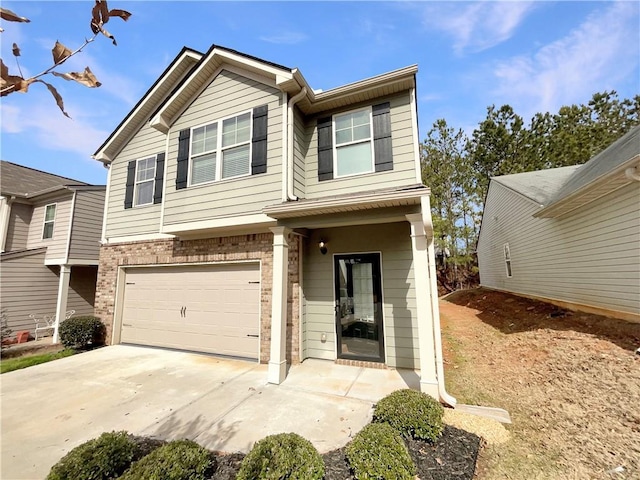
[(382, 137), (183, 159), (259, 140), (157, 187), (131, 181), (325, 149)]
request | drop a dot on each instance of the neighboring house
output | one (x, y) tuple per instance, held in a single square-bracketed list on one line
[(50, 239), (250, 215), (569, 235)]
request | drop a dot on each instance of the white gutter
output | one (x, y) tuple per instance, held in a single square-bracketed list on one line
[(435, 309), (103, 240), (289, 163)]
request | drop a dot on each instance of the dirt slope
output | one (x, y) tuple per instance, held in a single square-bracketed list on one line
[(571, 382)]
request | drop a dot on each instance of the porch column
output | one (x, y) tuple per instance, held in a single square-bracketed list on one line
[(63, 294), (428, 379), (278, 361)]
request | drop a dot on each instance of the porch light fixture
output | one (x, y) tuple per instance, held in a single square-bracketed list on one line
[(323, 247)]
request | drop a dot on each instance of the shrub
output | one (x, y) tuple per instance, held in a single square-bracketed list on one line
[(107, 456), (177, 460), (412, 413), (378, 452), (282, 456), (79, 332)]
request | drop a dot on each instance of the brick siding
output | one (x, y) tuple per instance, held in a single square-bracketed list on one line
[(257, 247)]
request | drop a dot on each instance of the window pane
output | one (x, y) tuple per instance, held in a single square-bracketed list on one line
[(361, 132), (244, 124), (343, 136), (48, 230), (211, 137), (236, 162), (203, 169), (146, 169), (144, 193), (343, 121), (50, 213), (229, 132), (354, 159), (360, 118)]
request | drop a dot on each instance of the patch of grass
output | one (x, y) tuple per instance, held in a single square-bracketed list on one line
[(12, 364)]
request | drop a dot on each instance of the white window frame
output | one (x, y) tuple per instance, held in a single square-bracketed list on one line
[(154, 158), (369, 109), (219, 150), (45, 222), (507, 260)]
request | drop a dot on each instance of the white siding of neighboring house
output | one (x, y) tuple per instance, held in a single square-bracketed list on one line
[(57, 245), (227, 95), (144, 219), (589, 257), (404, 155), (87, 226), (18, 229), (398, 290)]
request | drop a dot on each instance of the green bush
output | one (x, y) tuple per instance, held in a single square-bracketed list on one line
[(378, 452), (177, 460), (79, 332), (412, 413), (282, 456), (107, 456)]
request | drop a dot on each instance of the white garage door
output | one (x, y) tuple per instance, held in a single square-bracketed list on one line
[(208, 308)]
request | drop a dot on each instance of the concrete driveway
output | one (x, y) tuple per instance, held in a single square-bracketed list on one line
[(222, 404)]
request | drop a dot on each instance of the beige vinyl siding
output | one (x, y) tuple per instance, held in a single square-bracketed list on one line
[(227, 95), (300, 150), (87, 226), (27, 286), (144, 219), (18, 229), (589, 257), (398, 290), (57, 245), (403, 173), (82, 289)]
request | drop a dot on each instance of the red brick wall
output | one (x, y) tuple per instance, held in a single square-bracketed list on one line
[(222, 249)]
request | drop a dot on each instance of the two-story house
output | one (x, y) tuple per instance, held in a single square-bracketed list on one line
[(50, 230), (250, 215)]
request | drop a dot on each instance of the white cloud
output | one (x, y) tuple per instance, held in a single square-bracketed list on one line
[(477, 26), (285, 38), (598, 54)]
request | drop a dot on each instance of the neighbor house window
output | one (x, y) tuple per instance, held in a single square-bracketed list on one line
[(49, 220), (507, 260), (353, 140), (221, 149), (145, 175)]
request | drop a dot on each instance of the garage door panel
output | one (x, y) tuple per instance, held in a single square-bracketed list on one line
[(222, 308)]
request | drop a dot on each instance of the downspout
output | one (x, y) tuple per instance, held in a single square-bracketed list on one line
[(4, 223), (290, 116), (435, 309)]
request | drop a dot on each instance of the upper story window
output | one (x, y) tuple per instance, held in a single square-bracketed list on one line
[(217, 156), (353, 143), (49, 221), (145, 176)]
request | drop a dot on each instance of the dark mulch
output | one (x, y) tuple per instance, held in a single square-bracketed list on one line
[(452, 457)]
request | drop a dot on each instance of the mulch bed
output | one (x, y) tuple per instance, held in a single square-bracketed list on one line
[(452, 457)]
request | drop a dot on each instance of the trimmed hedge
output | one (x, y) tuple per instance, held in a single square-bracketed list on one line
[(82, 331), (412, 413), (105, 457), (378, 452), (177, 460), (282, 456)]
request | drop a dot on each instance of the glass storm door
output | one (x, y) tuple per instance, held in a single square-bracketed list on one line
[(359, 306)]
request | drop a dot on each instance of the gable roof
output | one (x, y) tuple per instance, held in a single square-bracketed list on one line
[(20, 181), (191, 71), (540, 185)]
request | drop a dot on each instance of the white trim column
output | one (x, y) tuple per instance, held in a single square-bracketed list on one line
[(63, 294), (5, 211), (278, 360), (428, 378)]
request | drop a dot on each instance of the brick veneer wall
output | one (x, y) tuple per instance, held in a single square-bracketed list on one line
[(221, 249)]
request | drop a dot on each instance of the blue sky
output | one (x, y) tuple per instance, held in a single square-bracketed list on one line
[(535, 56)]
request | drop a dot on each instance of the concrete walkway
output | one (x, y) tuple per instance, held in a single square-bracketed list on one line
[(222, 404)]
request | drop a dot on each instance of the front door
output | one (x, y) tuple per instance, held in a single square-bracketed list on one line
[(359, 307)]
